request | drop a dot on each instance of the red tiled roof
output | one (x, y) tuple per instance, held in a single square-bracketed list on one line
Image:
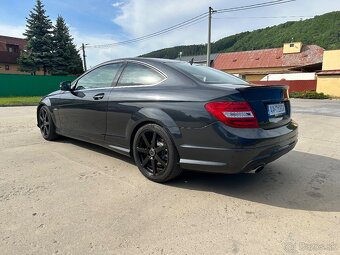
[(310, 54), (11, 40)]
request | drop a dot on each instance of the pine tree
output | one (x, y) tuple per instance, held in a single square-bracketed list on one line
[(76, 64), (66, 59), (38, 33), (27, 63)]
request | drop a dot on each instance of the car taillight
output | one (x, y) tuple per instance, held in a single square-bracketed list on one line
[(233, 114), (286, 94)]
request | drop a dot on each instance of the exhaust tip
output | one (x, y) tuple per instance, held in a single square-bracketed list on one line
[(257, 169)]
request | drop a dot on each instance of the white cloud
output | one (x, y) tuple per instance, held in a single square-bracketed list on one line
[(117, 4), (98, 55), (140, 17), (10, 30)]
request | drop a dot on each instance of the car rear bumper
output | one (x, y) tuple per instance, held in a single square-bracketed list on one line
[(222, 149)]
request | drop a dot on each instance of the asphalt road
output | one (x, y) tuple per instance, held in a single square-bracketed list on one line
[(70, 197), (318, 107)]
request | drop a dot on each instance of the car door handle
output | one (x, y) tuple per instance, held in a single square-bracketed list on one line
[(98, 96)]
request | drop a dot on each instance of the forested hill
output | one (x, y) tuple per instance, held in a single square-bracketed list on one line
[(323, 30)]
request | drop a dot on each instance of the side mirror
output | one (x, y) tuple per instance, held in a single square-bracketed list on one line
[(65, 86)]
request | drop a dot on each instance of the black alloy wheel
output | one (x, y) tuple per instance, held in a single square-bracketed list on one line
[(155, 153), (46, 125)]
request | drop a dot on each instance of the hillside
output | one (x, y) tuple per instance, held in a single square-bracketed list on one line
[(321, 30)]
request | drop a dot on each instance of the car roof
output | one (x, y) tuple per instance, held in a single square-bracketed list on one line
[(146, 60)]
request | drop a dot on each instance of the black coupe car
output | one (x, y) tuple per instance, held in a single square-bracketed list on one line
[(170, 115)]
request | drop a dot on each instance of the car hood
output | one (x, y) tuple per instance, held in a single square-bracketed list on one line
[(54, 93)]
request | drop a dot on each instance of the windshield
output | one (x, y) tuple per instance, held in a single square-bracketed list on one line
[(207, 75)]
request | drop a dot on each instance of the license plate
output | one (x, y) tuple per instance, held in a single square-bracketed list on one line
[(276, 109)]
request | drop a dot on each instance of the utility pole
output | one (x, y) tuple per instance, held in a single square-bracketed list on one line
[(209, 36), (84, 56)]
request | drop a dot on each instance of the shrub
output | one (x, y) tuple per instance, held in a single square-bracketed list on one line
[(309, 95)]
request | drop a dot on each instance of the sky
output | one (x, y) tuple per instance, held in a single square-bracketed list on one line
[(97, 22)]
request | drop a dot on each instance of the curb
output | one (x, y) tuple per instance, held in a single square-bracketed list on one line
[(14, 105)]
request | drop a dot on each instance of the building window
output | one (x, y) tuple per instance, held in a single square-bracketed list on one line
[(6, 67), (291, 45), (12, 48)]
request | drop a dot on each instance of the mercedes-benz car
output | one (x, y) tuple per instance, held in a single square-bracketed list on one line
[(171, 115)]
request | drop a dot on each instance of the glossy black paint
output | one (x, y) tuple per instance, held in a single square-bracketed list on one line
[(111, 116)]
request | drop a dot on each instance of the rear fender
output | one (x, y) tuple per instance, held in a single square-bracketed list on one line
[(152, 115)]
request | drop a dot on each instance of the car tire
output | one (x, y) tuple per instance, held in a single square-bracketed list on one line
[(46, 124), (155, 154)]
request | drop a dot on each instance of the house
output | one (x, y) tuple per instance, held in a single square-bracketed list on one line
[(328, 80), (256, 64), (10, 49), (200, 59)]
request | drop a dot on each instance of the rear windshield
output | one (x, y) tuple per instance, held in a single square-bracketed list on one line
[(207, 75)]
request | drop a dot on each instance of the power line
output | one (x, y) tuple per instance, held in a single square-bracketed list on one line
[(188, 22), (253, 6), (263, 17), (191, 21)]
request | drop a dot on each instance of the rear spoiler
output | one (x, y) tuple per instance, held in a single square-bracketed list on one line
[(255, 86)]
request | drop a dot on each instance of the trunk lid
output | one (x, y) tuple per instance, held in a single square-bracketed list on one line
[(270, 104)]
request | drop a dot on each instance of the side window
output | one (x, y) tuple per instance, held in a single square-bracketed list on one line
[(136, 74), (100, 77)]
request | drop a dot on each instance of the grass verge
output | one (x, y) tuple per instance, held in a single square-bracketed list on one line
[(17, 101), (309, 95)]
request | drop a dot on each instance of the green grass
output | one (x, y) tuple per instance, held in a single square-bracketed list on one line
[(12, 101)]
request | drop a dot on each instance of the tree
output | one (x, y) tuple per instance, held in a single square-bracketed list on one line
[(66, 59), (38, 33), (27, 63)]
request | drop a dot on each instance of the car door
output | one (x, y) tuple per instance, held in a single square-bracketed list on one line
[(135, 82), (82, 111)]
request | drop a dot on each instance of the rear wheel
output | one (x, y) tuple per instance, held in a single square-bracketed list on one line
[(155, 154), (46, 124)]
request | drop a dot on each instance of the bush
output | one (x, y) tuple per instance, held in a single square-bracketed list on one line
[(309, 95)]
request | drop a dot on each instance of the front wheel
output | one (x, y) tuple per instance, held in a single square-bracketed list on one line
[(46, 124), (155, 154)]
